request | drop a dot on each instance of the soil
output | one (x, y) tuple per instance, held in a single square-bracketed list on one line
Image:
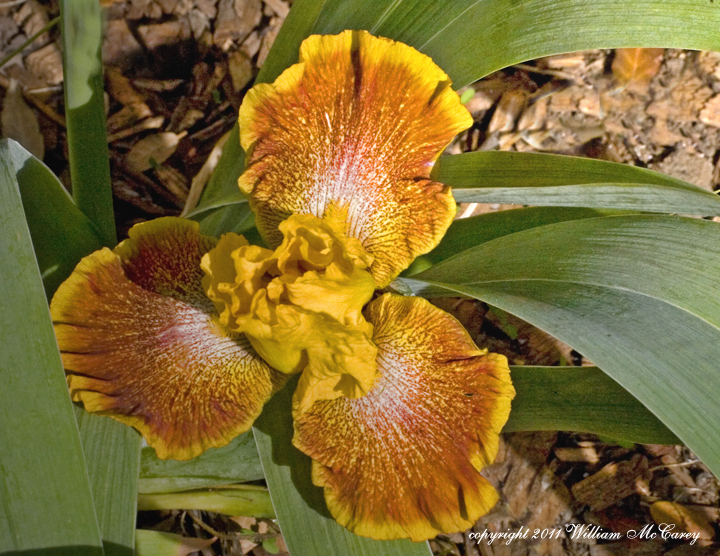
[(176, 72)]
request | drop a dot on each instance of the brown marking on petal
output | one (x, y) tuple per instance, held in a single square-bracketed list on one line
[(359, 122), (158, 361), (404, 461)]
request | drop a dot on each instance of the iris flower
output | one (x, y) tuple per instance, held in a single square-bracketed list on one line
[(186, 337)]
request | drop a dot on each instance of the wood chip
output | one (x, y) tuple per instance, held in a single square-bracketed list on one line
[(153, 150), (139, 9), (32, 17), (127, 116), (280, 8), (157, 85), (120, 88), (688, 166), (251, 45), (199, 23), (683, 521), (20, 123), (533, 118), (167, 33), (507, 111), (268, 39), (143, 125), (46, 63), (581, 453), (137, 197), (710, 114), (241, 70), (235, 20), (8, 29), (120, 46), (207, 7), (612, 483), (173, 181)]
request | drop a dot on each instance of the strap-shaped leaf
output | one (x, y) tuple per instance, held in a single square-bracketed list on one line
[(581, 399), (61, 233), (299, 505), (551, 180), (45, 498), (235, 463), (638, 295), (81, 22), (465, 233), (472, 38)]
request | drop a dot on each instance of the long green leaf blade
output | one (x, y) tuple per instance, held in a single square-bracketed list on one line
[(300, 506), (465, 233), (472, 38), (551, 180), (81, 22), (638, 295), (235, 463), (45, 497), (112, 451), (582, 399), (61, 234)]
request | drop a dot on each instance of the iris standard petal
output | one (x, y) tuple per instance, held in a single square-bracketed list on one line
[(354, 128), (140, 342), (404, 460)]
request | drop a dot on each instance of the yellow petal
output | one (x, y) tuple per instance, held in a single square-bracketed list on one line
[(141, 343), (355, 126), (301, 305), (404, 461)]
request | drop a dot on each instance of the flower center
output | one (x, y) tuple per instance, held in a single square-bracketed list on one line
[(300, 305)]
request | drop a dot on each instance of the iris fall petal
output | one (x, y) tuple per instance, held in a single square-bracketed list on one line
[(404, 460), (355, 127), (140, 342)]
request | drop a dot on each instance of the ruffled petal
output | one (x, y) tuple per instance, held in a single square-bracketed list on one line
[(354, 128), (300, 305), (141, 343), (404, 460)]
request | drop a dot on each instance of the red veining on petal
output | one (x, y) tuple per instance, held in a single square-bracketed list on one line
[(404, 460), (358, 124)]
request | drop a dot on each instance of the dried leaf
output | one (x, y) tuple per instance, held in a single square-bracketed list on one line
[(638, 65), (683, 519), (153, 150), (19, 121)]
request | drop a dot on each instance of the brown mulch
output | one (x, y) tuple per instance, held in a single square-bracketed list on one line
[(175, 76)]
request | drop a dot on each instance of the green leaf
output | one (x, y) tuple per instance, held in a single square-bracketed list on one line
[(45, 497), (552, 180), (244, 500), (235, 463), (61, 234), (637, 295), (158, 543), (112, 459), (300, 506), (469, 232), (112, 450), (582, 399), (81, 22), (470, 39)]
